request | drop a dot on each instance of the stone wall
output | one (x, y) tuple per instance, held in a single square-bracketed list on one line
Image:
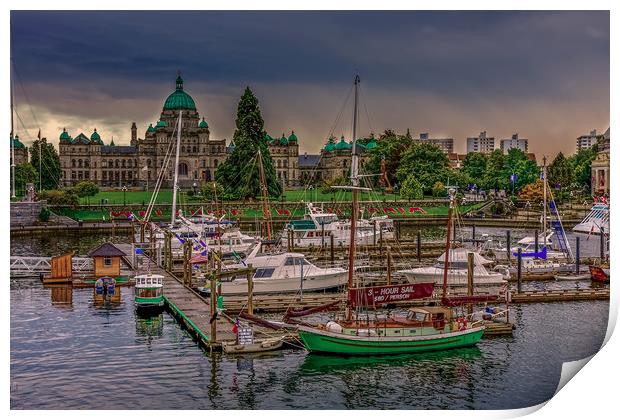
[(26, 213)]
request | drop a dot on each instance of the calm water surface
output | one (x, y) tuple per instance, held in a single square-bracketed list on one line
[(81, 356)]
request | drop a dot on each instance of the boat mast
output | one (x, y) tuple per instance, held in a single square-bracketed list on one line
[(263, 182), (446, 261), (355, 184), (544, 214), (176, 172), (13, 144)]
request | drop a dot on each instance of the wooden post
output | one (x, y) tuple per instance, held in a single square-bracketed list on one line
[(508, 245), (473, 233), (453, 231), (519, 261), (577, 256), (250, 275), (322, 236), (419, 246), (141, 232), (602, 243), (536, 241), (470, 280), (380, 242), (289, 247), (397, 229), (213, 308), (374, 232), (331, 247), (389, 266)]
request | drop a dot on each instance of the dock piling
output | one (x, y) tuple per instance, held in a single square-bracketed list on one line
[(212, 307), (602, 243), (508, 244), (536, 241), (250, 277), (470, 280), (419, 245), (331, 247), (577, 255), (519, 261)]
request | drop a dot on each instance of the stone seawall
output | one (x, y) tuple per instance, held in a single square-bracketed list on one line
[(26, 213)]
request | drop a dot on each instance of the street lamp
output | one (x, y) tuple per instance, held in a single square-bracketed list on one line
[(124, 189), (194, 186)]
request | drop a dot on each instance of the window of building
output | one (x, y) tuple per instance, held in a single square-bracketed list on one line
[(107, 261), (183, 169)]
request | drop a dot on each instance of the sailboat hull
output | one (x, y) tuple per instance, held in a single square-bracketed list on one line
[(321, 341)]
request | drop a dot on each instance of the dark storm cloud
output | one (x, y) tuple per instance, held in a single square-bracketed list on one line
[(499, 63)]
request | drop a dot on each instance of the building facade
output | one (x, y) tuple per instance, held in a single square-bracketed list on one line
[(445, 144), (481, 144), (18, 149), (336, 156), (284, 155), (513, 142), (587, 141), (601, 168)]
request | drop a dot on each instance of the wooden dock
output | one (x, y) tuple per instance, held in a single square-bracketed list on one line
[(560, 295)]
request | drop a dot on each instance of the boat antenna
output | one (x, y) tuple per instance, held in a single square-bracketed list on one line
[(175, 185), (446, 262)]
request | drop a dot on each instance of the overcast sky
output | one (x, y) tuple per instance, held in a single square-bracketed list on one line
[(544, 75)]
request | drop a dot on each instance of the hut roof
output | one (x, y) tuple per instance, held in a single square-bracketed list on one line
[(106, 250)]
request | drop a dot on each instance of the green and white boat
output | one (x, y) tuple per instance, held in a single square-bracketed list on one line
[(365, 330), (149, 291)]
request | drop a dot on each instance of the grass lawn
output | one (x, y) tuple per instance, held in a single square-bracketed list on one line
[(165, 197)]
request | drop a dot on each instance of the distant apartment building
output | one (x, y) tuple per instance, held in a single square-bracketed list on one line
[(513, 143), (446, 144), (586, 141), (481, 144)]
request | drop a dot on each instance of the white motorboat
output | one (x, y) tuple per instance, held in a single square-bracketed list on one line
[(286, 272), (317, 225), (484, 281), (595, 220), (232, 240)]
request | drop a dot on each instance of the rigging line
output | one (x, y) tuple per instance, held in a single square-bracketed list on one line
[(19, 79), (333, 127), (365, 109)]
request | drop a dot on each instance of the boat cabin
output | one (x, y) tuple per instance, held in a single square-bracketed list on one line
[(149, 290), (107, 260)]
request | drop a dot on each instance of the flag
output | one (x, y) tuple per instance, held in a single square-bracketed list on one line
[(235, 328), (139, 251), (131, 216)]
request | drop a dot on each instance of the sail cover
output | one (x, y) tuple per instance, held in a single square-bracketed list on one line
[(380, 295)]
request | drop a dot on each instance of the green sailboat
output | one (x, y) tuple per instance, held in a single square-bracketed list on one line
[(420, 330)]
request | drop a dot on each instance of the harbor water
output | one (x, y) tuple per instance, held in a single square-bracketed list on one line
[(69, 353)]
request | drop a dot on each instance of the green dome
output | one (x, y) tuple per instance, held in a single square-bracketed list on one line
[(95, 136), (16, 143), (292, 138), (160, 124), (371, 144), (283, 140), (343, 145), (203, 124), (151, 129), (64, 135), (179, 99), (329, 147)]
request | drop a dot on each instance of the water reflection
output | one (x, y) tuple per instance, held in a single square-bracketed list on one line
[(149, 327), (61, 294)]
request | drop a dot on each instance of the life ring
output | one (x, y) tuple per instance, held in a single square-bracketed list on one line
[(462, 322)]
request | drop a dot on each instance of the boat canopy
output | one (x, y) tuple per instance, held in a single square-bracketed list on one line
[(460, 255)]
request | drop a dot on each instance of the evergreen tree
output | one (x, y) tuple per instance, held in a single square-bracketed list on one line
[(411, 188), (239, 175), (24, 174), (50, 165), (561, 173)]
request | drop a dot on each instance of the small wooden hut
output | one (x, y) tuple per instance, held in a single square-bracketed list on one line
[(107, 260)]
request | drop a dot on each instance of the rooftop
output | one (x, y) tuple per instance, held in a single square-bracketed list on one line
[(106, 250)]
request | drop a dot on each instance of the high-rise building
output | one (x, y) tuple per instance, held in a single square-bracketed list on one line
[(481, 144), (513, 143), (445, 144), (586, 141)]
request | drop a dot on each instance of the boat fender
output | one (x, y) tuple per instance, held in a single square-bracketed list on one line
[(99, 287), (111, 286), (333, 327)]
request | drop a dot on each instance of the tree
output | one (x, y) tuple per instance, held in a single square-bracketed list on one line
[(427, 163), (24, 174), (533, 192), (411, 188), (50, 165), (582, 166), (475, 166), (390, 147), (439, 189), (493, 174), (239, 175), (212, 191), (561, 173), (516, 162), (86, 189)]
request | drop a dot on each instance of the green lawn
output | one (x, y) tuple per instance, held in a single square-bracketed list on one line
[(165, 197)]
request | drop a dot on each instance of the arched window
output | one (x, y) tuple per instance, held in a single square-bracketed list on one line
[(73, 163), (117, 163), (86, 164), (182, 149), (123, 163), (194, 149), (79, 163), (110, 164), (148, 163), (183, 169), (215, 163)]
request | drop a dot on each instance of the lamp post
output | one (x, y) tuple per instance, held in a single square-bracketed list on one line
[(124, 195), (194, 186)]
